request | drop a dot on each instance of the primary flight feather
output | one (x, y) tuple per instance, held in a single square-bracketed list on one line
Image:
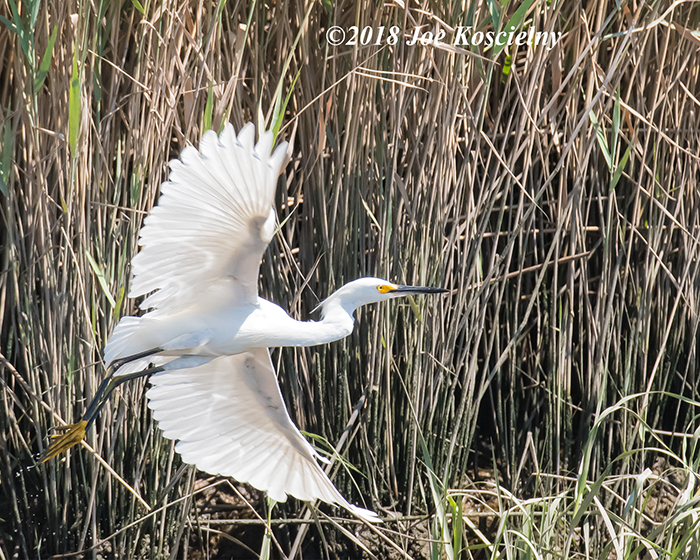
[(205, 336)]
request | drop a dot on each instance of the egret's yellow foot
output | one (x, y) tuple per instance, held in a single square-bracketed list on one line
[(61, 442)]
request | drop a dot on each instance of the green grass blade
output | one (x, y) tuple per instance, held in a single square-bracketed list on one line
[(8, 148), (45, 61), (513, 24), (208, 109), (101, 279), (602, 139), (74, 106)]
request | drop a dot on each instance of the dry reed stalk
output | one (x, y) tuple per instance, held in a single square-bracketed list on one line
[(558, 199)]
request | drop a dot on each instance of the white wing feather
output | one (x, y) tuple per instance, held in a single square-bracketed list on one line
[(214, 218), (206, 236), (231, 420)]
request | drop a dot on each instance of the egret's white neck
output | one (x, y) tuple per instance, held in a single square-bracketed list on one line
[(337, 319), (274, 327), (338, 314), (335, 324)]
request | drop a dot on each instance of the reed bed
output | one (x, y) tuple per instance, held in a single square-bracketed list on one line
[(547, 408)]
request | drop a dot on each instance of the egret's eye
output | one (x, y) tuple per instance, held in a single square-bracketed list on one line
[(385, 288)]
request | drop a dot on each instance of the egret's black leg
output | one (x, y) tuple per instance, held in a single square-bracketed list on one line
[(112, 368), (76, 432), (119, 362), (99, 393), (100, 400)]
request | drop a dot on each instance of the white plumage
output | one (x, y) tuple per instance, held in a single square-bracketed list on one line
[(201, 247), (213, 221), (206, 333), (230, 419)]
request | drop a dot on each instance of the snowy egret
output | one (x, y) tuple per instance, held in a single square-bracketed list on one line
[(205, 336)]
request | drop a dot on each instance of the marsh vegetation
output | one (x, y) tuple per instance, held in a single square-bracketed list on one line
[(547, 409)]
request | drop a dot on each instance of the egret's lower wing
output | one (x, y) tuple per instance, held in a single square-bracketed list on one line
[(231, 420)]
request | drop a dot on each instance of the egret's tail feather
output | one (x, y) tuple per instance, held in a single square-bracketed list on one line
[(62, 442), (365, 514), (118, 345)]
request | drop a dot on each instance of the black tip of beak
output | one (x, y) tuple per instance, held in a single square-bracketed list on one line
[(418, 290)]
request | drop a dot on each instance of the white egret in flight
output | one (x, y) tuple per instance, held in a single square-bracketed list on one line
[(205, 336)]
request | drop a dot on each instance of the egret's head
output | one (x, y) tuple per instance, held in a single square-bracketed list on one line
[(369, 290)]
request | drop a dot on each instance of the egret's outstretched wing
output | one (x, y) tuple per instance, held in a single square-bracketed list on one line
[(231, 420), (212, 223)]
